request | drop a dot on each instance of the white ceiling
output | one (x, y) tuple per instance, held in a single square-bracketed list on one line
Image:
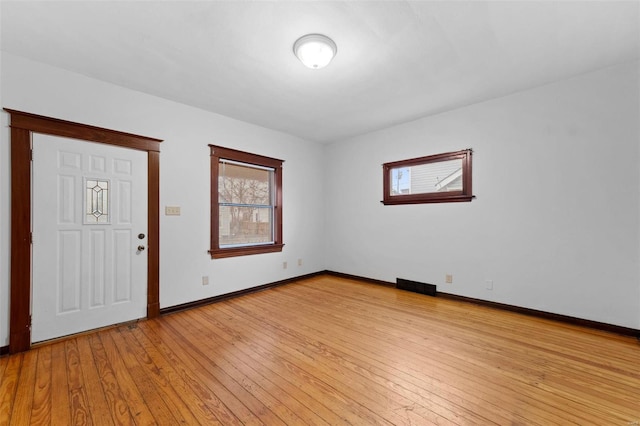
[(397, 60)]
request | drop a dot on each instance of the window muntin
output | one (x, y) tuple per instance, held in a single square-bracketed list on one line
[(246, 208), (433, 179)]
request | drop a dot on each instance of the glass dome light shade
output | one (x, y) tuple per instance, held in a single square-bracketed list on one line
[(315, 50)]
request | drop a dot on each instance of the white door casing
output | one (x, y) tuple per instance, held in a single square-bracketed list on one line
[(87, 269)]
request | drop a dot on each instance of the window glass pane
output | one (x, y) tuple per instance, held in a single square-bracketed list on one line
[(441, 176), (400, 181), (241, 184), (245, 225), (96, 201)]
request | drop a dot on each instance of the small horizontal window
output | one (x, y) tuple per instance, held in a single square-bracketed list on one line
[(441, 178)]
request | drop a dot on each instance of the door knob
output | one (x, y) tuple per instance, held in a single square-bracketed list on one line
[(140, 248)]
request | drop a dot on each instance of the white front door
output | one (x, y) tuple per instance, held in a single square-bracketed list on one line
[(89, 227)]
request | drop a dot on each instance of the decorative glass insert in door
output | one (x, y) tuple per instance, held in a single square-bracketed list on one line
[(96, 201)]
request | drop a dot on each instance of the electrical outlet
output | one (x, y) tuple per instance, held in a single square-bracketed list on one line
[(171, 210), (299, 262), (284, 265), (448, 278), (205, 280), (488, 284)]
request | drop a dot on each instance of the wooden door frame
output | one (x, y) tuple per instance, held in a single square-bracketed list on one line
[(23, 125)]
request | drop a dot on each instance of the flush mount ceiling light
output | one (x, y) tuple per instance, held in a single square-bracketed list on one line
[(315, 50)]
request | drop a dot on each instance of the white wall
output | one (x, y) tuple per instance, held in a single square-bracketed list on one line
[(184, 178), (556, 221)]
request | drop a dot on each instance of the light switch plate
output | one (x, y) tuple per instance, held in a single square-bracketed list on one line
[(172, 211)]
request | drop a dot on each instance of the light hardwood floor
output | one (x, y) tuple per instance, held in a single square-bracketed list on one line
[(331, 351)]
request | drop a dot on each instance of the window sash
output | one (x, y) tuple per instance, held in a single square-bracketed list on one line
[(261, 223), (458, 180), (242, 232)]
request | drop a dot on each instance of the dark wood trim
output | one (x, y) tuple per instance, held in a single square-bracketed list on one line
[(216, 154), (431, 200), (215, 209), (464, 195), (4, 350), (226, 296), (359, 278), (245, 157), (153, 230), (220, 253), (611, 328), (53, 126), (278, 237), (20, 308), (23, 125)]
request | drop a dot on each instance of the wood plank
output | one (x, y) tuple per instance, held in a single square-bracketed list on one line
[(334, 372), (117, 405), (392, 367), (518, 358), (41, 409), (60, 403), (308, 395), (78, 399), (156, 380), (8, 385), (128, 387), (231, 393), (400, 358), (580, 375), (4, 361), (260, 386), (254, 377), (23, 401), (96, 398), (331, 384), (433, 353), (209, 409), (328, 350), (378, 373), (534, 330), (162, 408)]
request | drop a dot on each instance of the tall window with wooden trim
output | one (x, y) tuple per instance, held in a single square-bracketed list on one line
[(246, 203), (441, 178)]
